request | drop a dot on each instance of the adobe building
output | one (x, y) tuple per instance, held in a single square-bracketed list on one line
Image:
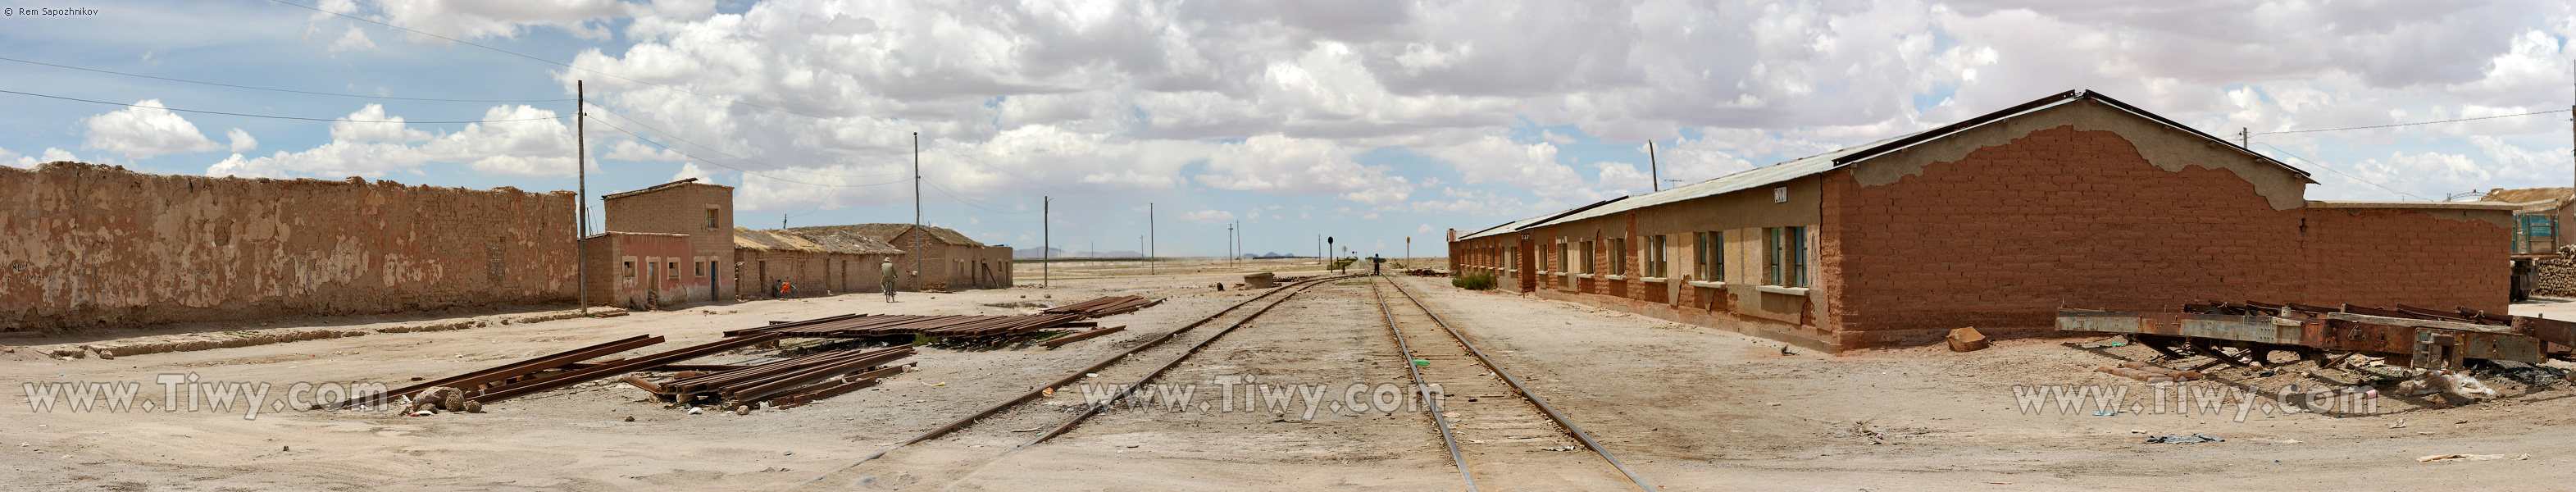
[(810, 264), (934, 258), (642, 270), (2073, 200), (2537, 215), (703, 212)]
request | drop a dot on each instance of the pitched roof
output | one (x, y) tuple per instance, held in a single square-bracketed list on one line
[(1820, 163), (842, 241), (654, 188), (778, 240), (888, 232), (2534, 199)]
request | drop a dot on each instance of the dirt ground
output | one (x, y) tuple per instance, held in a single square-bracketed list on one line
[(1687, 408)]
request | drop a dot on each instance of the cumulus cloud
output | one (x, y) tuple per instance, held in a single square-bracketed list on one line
[(50, 154), (535, 146), (1207, 216), (241, 141), (144, 130)]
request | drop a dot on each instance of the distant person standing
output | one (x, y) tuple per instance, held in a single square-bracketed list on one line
[(885, 276)]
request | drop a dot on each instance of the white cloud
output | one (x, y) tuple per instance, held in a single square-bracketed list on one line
[(354, 40), (1207, 217), (49, 155), (144, 130), (537, 145), (241, 141)]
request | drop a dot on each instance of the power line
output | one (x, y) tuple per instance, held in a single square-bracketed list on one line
[(2417, 123), (286, 90), (736, 157), (719, 164), (278, 117), (2331, 168)]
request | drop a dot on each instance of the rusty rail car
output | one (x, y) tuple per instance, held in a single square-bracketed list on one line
[(2237, 333)]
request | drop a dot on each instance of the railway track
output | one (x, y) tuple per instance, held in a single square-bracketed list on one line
[(1485, 416), (971, 437)]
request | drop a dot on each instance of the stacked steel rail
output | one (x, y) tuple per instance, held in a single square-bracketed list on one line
[(560, 370), (944, 326), (2405, 335), (1106, 306), (793, 376)]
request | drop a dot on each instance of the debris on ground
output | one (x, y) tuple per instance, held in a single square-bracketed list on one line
[(2150, 373), (2445, 382), (1967, 340), (2182, 439), (2473, 457)]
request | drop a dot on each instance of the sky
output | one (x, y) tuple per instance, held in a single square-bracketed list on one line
[(1370, 121)]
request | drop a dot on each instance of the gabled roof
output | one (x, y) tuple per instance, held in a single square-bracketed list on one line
[(1820, 163), (888, 232), (654, 188), (842, 241)]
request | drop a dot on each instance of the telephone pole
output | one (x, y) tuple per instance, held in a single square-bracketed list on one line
[(1654, 172), (2245, 138), (581, 203), (1046, 238), (1152, 258), (917, 249)]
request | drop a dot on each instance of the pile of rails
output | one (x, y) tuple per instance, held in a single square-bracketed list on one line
[(784, 383), (874, 325), (951, 326), (557, 370), (1106, 306), (2404, 335)]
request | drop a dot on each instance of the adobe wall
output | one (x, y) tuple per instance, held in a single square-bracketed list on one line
[(811, 273), (96, 246), (2001, 237), (682, 209), (643, 270)]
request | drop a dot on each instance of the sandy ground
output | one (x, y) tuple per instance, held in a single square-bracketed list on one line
[(1688, 408)]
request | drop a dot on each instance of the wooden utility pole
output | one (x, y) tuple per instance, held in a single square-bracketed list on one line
[(1654, 172), (581, 197), (1152, 257), (916, 213), (1046, 236)]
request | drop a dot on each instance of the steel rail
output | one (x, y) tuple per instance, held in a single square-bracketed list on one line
[(961, 422), (1524, 392), (1423, 388)]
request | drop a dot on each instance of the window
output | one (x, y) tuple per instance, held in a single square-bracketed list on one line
[(1619, 256), (1655, 256), (673, 267), (630, 269), (1710, 255), (1587, 257), (1561, 265), (711, 218), (1786, 265), (1511, 257)]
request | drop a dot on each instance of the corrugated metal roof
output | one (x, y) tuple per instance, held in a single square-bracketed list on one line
[(1509, 227), (788, 240), (1819, 163), (888, 232)]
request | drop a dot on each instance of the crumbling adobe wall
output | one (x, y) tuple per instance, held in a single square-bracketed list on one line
[(97, 246)]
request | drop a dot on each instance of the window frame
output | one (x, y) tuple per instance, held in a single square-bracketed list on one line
[(1619, 256), (1785, 256)]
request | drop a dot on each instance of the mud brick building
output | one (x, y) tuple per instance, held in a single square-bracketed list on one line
[(703, 212), (947, 260), (643, 270), (813, 264), (2072, 200)]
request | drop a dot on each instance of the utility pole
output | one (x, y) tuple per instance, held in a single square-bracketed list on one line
[(1152, 257), (581, 204), (2245, 138), (1654, 172), (1229, 245), (916, 212), (1046, 236)]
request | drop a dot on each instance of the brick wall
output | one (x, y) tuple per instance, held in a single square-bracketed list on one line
[(95, 246), (682, 209), (1998, 240)]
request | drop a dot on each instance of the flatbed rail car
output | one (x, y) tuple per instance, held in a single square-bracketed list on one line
[(2240, 334)]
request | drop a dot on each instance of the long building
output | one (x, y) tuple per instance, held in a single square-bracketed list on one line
[(2072, 200)]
